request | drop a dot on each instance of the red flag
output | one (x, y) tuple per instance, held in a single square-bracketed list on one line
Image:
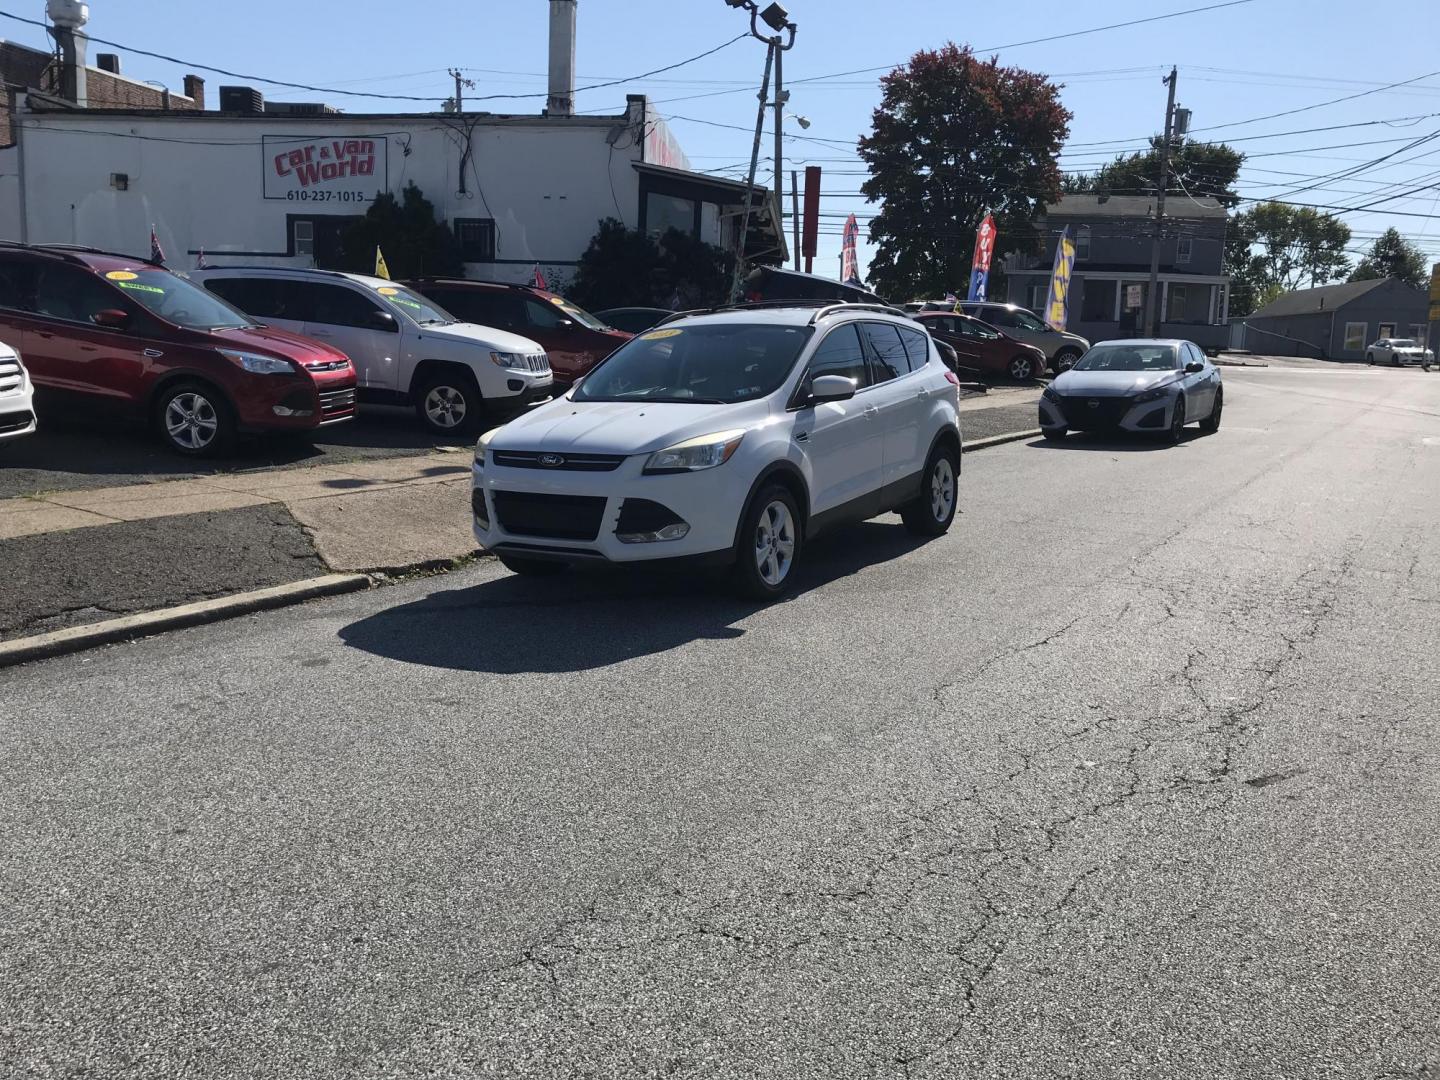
[(157, 253), (849, 264), (980, 265), (540, 279)]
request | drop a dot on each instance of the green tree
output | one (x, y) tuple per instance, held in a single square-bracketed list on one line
[(406, 230), (622, 267), (1393, 256), (1287, 246), (955, 136), (1197, 169)]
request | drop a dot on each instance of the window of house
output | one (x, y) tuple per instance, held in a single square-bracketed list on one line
[(1355, 335), (666, 212), (1176, 305), (1036, 296), (302, 236), (1082, 243), (1183, 249), (476, 237), (1097, 301)]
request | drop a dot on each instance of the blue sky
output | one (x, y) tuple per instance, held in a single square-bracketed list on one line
[(1236, 64)]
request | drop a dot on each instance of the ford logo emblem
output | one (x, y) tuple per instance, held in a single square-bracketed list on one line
[(551, 461), (1093, 403)]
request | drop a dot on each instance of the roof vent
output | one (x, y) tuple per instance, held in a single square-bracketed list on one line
[(108, 61), (241, 99)]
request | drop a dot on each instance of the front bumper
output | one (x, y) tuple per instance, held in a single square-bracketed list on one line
[(524, 390), (17, 408), (1091, 413), (299, 403), (578, 515)]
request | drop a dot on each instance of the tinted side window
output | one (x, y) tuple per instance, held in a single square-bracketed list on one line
[(335, 305), (1001, 317), (63, 292), (543, 316), (944, 325), (917, 347), (17, 284), (840, 354), (888, 351), (500, 310), (258, 297)]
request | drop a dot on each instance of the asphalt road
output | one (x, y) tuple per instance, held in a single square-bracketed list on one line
[(1131, 775)]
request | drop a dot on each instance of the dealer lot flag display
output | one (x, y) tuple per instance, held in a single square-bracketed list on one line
[(157, 253), (1057, 308), (849, 264), (980, 265), (381, 270)]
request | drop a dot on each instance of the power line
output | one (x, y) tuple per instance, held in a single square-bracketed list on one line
[(1319, 105)]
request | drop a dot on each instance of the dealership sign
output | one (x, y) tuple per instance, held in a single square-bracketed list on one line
[(324, 169)]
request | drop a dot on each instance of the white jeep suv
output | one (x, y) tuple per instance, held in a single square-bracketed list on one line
[(732, 436), (407, 350), (17, 411)]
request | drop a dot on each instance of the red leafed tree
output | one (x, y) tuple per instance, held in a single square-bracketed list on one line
[(954, 136)]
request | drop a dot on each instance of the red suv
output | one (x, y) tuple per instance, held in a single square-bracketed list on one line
[(983, 347), (574, 339), (128, 332)]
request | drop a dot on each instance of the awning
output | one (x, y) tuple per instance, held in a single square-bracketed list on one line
[(767, 229)]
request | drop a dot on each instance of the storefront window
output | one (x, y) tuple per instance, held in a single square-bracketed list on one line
[(666, 212)]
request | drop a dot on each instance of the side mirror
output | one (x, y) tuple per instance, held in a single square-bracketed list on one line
[(1193, 367), (112, 318), (383, 320), (825, 388)]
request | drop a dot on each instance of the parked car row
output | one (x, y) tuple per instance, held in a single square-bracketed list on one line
[(1060, 348), (208, 356)]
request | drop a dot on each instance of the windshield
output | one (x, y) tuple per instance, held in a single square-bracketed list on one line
[(717, 364), (178, 301), (1402, 343), (1129, 358), (579, 314), (418, 308)]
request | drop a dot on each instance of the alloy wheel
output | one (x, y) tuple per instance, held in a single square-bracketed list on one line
[(1019, 369), (445, 406), (191, 421), (775, 543), (942, 489)]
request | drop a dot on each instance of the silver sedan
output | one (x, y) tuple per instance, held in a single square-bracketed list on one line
[(1140, 385), (1398, 351)]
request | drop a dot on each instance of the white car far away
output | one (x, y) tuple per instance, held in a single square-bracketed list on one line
[(17, 409), (1142, 385), (1399, 351), (730, 437)]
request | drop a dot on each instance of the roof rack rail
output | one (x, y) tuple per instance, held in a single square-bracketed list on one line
[(887, 309), (275, 269), (71, 249)]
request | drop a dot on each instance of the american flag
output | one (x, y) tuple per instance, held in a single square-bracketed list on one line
[(157, 253)]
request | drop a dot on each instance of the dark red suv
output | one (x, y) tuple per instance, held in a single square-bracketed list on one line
[(574, 339), (128, 332)]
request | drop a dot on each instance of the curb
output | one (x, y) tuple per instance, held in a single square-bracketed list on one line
[(77, 638), (997, 440)]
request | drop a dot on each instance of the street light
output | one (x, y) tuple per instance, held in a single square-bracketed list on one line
[(803, 121)]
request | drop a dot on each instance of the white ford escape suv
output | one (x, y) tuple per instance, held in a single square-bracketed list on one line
[(406, 349), (732, 437)]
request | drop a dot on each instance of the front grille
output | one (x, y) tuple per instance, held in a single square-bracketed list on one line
[(15, 421), (539, 459), (9, 375), (554, 517), (327, 365), (535, 362), (336, 401), (1094, 412)]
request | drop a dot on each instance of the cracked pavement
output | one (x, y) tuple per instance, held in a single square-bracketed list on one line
[(1131, 775)]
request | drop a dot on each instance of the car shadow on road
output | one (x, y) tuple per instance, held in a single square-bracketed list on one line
[(1080, 440), (593, 618)]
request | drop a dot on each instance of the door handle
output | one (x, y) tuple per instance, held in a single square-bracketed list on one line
[(923, 395), (153, 353), (871, 410)]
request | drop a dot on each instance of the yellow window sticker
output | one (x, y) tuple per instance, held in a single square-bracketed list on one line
[(656, 335), (557, 301), (385, 290), (121, 275)]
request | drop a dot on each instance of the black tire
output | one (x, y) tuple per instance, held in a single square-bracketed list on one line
[(1054, 434), (194, 419), (1021, 368), (532, 567), (1394, 359), (768, 545), (1065, 360), (448, 402), (1370, 358), (933, 510), (1176, 430), (1211, 423)]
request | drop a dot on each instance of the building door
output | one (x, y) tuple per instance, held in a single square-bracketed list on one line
[(318, 236)]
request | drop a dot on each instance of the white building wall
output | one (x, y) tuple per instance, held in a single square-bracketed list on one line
[(214, 182)]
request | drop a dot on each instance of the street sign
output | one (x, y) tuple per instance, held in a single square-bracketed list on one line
[(1134, 297)]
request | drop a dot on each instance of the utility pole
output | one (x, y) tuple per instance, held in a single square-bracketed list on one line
[(795, 212), (779, 188), (750, 180), (1152, 298), (459, 89)]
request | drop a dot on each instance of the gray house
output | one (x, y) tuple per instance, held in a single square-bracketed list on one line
[(1336, 321), (1112, 235)]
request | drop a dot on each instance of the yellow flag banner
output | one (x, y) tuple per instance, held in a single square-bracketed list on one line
[(381, 270), (1057, 309)]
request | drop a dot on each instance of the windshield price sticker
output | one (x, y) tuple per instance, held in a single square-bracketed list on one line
[(385, 290), (657, 335), (121, 275)]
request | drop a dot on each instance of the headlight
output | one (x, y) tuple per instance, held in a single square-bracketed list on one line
[(1049, 394), (260, 365), (509, 360), (1155, 393), (693, 455), (482, 444)]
